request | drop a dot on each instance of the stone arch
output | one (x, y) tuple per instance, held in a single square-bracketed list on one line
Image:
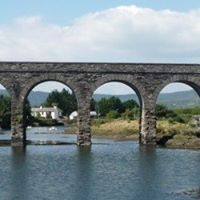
[(9, 86), (126, 79), (38, 80), (194, 83), (189, 80), (41, 79)]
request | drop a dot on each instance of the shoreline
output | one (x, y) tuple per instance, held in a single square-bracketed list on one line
[(136, 138), (5, 143), (169, 135)]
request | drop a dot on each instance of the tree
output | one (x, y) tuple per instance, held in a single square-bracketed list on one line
[(92, 104), (132, 114), (130, 104), (6, 120), (28, 119), (112, 114), (105, 105), (163, 112), (64, 100), (5, 112)]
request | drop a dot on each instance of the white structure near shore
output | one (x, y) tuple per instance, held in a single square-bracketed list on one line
[(74, 114), (44, 112)]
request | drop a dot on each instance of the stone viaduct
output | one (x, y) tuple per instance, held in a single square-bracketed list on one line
[(147, 80)]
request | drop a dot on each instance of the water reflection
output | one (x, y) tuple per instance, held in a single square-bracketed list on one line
[(42, 134), (117, 170), (18, 174), (83, 173), (147, 168)]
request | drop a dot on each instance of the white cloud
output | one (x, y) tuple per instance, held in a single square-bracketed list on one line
[(122, 34)]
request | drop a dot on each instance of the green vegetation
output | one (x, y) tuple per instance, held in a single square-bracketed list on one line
[(116, 118), (28, 119), (104, 106), (113, 108), (118, 128), (122, 122), (132, 114), (64, 100), (5, 111), (184, 99), (162, 112), (39, 121), (187, 113)]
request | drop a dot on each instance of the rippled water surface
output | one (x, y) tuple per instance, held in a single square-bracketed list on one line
[(108, 170)]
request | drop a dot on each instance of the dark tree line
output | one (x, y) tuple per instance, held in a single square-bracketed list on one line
[(115, 106), (5, 112), (162, 112)]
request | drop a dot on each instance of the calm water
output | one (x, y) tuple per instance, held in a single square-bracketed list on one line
[(107, 171)]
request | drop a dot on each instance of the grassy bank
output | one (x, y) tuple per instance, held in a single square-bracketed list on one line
[(170, 134), (179, 135), (118, 129), (165, 127)]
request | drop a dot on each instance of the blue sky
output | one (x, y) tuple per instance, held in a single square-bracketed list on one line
[(65, 11), (99, 31)]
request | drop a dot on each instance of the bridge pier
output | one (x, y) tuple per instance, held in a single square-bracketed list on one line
[(84, 78), (84, 132), (17, 123), (148, 124)]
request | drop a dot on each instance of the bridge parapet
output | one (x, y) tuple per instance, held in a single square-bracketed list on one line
[(161, 68)]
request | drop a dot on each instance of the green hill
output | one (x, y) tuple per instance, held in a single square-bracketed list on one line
[(182, 99)]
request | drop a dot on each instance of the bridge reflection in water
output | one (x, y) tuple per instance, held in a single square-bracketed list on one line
[(113, 170)]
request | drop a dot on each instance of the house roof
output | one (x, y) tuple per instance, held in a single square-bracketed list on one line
[(45, 109)]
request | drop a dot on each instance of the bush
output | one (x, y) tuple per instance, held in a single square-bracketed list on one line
[(162, 112), (130, 104), (131, 114), (5, 122), (45, 122), (112, 115)]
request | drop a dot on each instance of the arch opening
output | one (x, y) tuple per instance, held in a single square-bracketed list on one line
[(178, 114), (116, 111), (47, 109), (5, 115)]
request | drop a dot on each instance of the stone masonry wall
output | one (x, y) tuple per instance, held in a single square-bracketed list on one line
[(147, 80)]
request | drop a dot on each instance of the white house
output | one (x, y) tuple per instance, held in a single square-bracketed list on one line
[(74, 114), (52, 112)]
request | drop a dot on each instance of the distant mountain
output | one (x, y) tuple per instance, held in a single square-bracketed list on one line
[(180, 99), (37, 98), (125, 97), (183, 99), (172, 100)]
